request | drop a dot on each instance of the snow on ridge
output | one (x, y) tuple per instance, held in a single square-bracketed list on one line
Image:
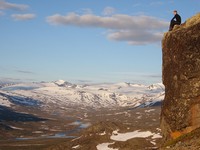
[(156, 86), (92, 95), (65, 84), (4, 101), (59, 82)]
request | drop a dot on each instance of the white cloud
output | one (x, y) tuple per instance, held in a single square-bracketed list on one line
[(134, 37), (114, 22), (135, 30), (5, 5), (108, 11), (23, 17)]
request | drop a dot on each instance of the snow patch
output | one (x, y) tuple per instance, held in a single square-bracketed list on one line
[(129, 135), (104, 133), (156, 136), (75, 147), (104, 146), (5, 102), (16, 128), (152, 142), (150, 110)]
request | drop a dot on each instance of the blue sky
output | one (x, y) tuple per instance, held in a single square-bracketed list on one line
[(86, 41)]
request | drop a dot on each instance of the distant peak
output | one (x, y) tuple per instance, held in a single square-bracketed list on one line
[(59, 82)]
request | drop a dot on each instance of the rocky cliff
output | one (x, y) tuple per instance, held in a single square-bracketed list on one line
[(181, 77)]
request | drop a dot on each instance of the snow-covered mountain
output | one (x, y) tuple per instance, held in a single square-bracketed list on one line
[(64, 94)]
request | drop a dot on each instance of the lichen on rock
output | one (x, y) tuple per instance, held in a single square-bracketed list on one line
[(181, 77)]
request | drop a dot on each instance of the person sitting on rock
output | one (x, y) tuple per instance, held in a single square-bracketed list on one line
[(176, 20)]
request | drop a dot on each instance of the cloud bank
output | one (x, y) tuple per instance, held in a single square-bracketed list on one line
[(16, 7), (5, 5), (136, 30), (23, 17)]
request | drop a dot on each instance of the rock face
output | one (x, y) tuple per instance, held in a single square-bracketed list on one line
[(181, 77)]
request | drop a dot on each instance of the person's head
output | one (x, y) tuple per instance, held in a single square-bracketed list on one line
[(175, 12)]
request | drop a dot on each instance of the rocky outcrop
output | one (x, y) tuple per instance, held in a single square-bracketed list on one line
[(181, 77)]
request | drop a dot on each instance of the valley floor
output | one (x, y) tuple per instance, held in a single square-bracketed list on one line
[(122, 128)]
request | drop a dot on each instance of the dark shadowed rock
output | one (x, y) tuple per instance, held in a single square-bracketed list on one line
[(181, 77), (7, 114)]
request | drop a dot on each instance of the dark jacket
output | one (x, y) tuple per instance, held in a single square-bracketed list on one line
[(177, 18)]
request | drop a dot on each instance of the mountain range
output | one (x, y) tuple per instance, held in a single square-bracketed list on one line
[(65, 94)]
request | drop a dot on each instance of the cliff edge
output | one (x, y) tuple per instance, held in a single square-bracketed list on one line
[(180, 113)]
